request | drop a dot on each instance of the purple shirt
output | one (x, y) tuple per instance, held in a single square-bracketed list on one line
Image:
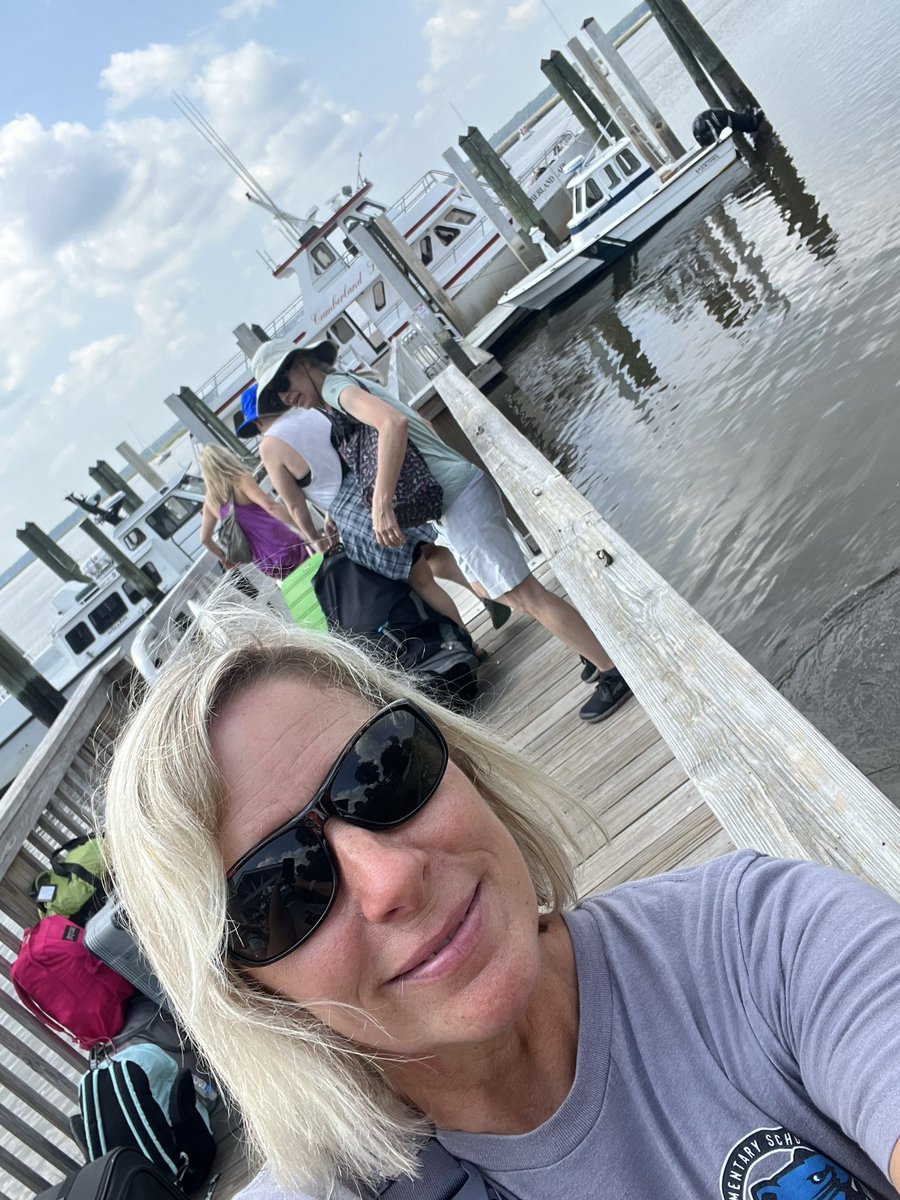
[(277, 548)]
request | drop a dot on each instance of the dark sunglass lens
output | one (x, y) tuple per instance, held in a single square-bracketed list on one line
[(278, 899), (394, 767)]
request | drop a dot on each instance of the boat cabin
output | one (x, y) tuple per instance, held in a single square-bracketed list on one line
[(600, 180)]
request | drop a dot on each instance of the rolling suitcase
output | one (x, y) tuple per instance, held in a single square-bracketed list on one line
[(107, 935)]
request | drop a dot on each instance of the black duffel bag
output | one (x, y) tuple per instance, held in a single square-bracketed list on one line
[(123, 1174)]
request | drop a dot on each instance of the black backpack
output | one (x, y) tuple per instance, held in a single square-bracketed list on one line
[(119, 1107), (123, 1174), (433, 650)]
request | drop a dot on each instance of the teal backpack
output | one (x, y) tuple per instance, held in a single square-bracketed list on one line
[(75, 885)]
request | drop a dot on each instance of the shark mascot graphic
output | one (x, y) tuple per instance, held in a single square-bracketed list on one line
[(773, 1164)]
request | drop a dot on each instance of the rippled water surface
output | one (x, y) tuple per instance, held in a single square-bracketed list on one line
[(728, 400)]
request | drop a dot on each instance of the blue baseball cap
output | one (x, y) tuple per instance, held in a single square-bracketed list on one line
[(250, 407)]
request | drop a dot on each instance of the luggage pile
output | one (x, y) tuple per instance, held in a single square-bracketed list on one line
[(144, 1103)]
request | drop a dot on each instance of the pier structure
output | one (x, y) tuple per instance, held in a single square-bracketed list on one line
[(707, 757)]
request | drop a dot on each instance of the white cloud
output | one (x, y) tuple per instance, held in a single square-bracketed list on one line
[(138, 74), (90, 365), (451, 33), (518, 15), (63, 459), (244, 8)]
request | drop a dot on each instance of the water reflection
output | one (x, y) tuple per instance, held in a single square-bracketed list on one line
[(799, 208)]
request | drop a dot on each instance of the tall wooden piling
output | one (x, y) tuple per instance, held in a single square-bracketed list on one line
[(690, 62), (110, 482), (736, 92), (206, 426), (140, 465), (403, 253), (620, 111), (635, 88), (20, 677), (129, 571), (42, 546), (423, 316), (578, 98), (521, 207), (528, 254)]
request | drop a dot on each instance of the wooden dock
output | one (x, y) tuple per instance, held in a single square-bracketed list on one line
[(708, 757)]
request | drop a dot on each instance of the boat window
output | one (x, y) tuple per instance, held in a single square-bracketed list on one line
[(171, 515), (134, 538), (459, 216), (378, 295), (578, 200), (194, 485), (79, 638), (593, 192), (628, 161), (342, 330), (323, 257), (131, 591), (611, 175), (426, 251), (105, 615), (369, 208), (446, 234)]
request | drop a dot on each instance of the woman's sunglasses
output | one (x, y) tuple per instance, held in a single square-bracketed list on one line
[(282, 890)]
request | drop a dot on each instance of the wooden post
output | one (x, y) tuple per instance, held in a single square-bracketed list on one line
[(520, 206), (20, 677), (633, 85), (207, 427), (690, 62), (247, 339), (422, 316), (127, 569), (708, 54), (110, 481), (522, 246), (617, 106), (42, 546), (560, 75), (140, 465), (407, 258), (772, 780)]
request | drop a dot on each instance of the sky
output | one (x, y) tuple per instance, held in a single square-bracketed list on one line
[(128, 253)]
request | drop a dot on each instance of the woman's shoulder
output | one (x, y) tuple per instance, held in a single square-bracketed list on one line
[(265, 1187)]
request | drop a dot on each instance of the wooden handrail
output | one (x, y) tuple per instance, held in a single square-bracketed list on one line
[(772, 780)]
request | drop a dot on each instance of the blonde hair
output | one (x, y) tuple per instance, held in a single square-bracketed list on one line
[(220, 469), (316, 1106)]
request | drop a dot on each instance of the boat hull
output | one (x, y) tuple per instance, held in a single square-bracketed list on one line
[(590, 253)]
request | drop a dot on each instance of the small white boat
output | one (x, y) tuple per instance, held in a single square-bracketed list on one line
[(617, 199)]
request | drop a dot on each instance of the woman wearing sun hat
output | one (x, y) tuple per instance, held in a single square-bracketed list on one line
[(304, 466), (472, 523)]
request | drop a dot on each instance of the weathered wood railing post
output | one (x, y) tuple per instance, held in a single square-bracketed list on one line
[(772, 780)]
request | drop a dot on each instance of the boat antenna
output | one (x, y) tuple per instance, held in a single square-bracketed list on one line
[(360, 180), (562, 27), (291, 226)]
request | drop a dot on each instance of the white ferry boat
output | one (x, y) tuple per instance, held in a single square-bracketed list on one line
[(616, 199), (162, 538)]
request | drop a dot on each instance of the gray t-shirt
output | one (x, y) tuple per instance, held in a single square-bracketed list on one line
[(453, 472), (739, 1040)]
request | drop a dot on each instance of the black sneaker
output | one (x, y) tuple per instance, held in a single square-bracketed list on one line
[(610, 693), (589, 673), (499, 613)]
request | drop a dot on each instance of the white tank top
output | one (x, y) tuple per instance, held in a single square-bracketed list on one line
[(309, 433)]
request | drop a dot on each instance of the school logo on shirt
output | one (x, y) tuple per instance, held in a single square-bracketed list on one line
[(773, 1164)]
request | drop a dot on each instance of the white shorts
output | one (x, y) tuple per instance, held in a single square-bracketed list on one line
[(481, 539)]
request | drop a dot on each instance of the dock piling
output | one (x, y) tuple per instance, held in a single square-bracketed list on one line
[(139, 465), (21, 678), (495, 171), (619, 110), (205, 426), (129, 571), (110, 481), (528, 254), (635, 88), (42, 546), (580, 100), (680, 18)]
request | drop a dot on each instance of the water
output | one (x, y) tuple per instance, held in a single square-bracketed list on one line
[(728, 400)]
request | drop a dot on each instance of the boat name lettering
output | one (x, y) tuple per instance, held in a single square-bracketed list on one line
[(339, 299), (548, 178)]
